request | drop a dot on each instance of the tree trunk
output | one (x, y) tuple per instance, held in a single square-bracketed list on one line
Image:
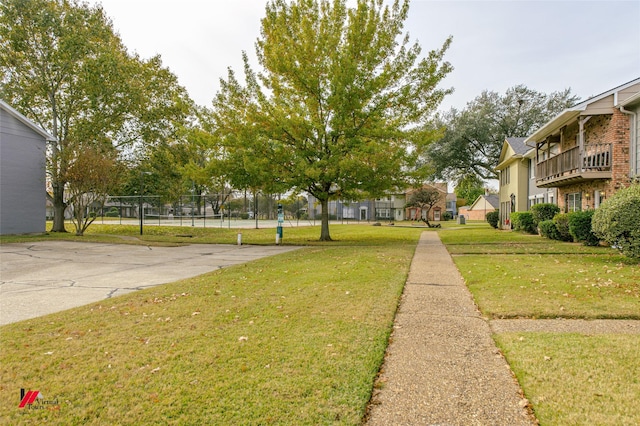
[(425, 219), (59, 207), (324, 228), (255, 207), (79, 215)]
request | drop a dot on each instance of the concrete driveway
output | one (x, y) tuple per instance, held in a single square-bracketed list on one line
[(40, 278)]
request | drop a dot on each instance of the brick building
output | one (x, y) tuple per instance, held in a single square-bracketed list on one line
[(437, 211), (481, 206), (591, 150)]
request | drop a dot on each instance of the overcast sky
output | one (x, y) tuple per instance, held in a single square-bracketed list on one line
[(588, 46)]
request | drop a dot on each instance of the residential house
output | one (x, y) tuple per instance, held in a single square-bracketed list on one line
[(513, 175), (590, 150), (22, 173), (390, 207), (518, 189), (481, 206), (436, 212)]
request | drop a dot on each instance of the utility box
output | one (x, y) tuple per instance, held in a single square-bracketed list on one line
[(461, 220)]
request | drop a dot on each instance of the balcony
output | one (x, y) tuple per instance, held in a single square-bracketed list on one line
[(572, 166)]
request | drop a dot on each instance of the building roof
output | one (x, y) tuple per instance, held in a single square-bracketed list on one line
[(630, 100), (569, 114), (519, 148), (518, 145), (11, 111), (492, 199)]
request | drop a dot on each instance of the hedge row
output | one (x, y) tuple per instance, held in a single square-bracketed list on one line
[(616, 222)]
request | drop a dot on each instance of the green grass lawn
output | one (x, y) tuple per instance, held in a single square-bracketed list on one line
[(575, 379), (298, 338), (292, 339), (513, 275), (570, 379), (363, 234)]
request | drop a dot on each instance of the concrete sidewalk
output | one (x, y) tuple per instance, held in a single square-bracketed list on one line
[(442, 367)]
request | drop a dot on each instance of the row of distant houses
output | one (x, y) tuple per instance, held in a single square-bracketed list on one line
[(391, 208)]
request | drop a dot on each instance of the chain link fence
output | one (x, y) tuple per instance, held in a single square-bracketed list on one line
[(212, 210)]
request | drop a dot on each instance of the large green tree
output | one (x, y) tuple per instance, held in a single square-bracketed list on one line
[(339, 105), (468, 189), (474, 135), (63, 66)]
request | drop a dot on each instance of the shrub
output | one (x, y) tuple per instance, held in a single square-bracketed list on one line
[(544, 211), (112, 212), (523, 221), (493, 218), (549, 230), (447, 216), (580, 228), (562, 225), (617, 221)]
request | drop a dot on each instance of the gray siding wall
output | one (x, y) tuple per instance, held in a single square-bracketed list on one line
[(22, 177)]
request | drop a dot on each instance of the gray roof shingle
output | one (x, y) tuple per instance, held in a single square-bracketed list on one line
[(517, 144)]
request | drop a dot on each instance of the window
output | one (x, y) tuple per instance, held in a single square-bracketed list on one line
[(573, 202), (532, 169), (348, 213), (598, 198), (505, 209), (505, 177), (536, 199), (383, 213)]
